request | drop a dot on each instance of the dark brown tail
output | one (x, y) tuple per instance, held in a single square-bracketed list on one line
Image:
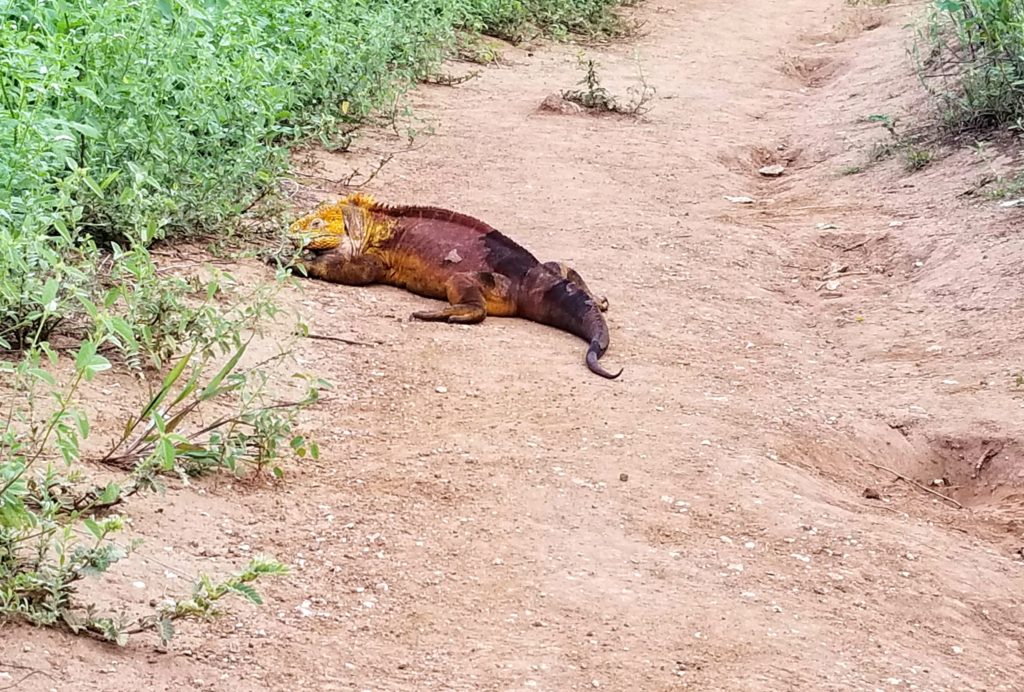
[(551, 300), (593, 353)]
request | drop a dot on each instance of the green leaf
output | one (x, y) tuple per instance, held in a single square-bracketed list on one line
[(212, 389), (120, 326), (48, 297), (247, 591), (91, 184), (85, 354), (166, 9), (88, 362), (87, 130), (110, 297), (42, 375), (165, 630), (89, 94), (165, 388), (94, 528), (166, 453), (90, 308), (110, 494), (83, 424), (149, 232), (190, 387), (109, 179)]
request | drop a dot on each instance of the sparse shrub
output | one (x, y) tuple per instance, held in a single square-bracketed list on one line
[(594, 97), (915, 158), (913, 154), (971, 56), (56, 528), (512, 19)]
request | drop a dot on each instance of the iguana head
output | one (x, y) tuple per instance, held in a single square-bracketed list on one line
[(327, 226), (322, 229)]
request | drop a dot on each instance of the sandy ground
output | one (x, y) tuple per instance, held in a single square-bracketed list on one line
[(776, 355)]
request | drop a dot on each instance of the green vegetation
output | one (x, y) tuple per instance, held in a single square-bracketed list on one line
[(513, 19), (596, 98), (973, 60), (909, 147), (124, 124)]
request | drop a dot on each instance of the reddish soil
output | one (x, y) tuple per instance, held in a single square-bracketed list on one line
[(777, 355)]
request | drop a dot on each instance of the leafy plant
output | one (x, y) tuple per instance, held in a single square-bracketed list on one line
[(914, 156), (52, 530), (971, 56), (252, 432), (513, 20), (595, 97)]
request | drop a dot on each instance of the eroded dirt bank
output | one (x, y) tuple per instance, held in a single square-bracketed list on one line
[(481, 538)]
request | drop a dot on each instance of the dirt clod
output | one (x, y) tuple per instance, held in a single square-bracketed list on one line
[(554, 103)]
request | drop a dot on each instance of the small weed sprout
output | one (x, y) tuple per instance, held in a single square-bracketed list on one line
[(914, 157), (594, 97)]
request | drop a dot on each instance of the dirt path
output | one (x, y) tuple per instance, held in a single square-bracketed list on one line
[(481, 538)]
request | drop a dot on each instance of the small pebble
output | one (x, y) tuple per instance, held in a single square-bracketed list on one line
[(441, 389)]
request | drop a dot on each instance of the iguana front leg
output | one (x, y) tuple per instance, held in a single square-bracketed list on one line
[(473, 296), (570, 274), (335, 267)]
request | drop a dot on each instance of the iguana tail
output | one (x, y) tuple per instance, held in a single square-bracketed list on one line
[(552, 300)]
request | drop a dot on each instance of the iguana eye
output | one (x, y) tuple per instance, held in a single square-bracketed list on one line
[(316, 224)]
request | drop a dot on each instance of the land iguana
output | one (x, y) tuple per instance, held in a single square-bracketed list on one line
[(442, 254)]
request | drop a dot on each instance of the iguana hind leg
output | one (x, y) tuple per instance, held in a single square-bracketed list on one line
[(570, 274), (473, 296)]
